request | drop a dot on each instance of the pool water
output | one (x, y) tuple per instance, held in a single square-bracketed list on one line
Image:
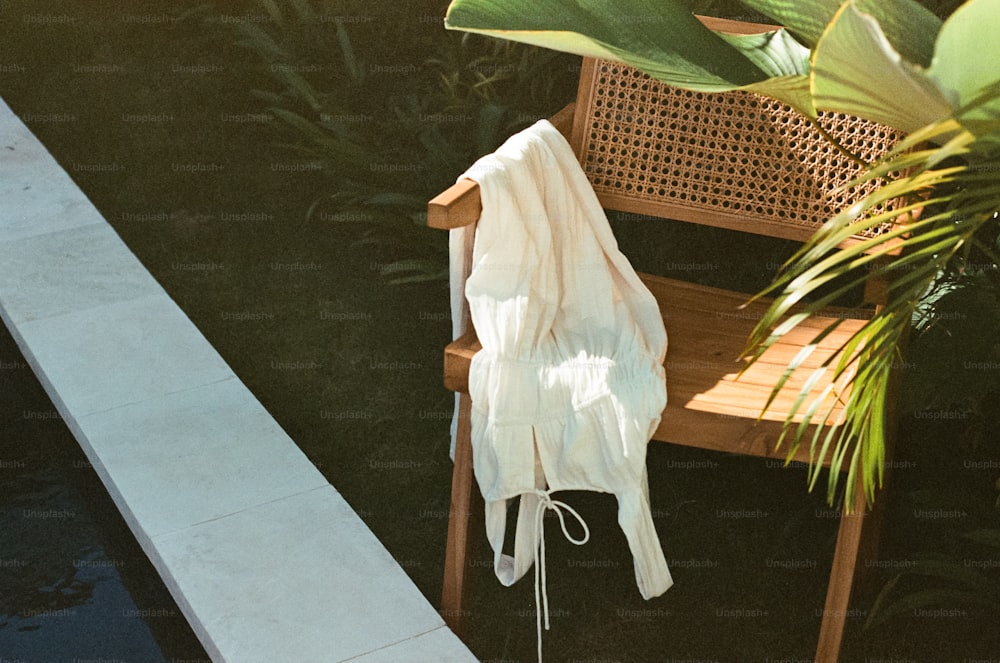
[(74, 584)]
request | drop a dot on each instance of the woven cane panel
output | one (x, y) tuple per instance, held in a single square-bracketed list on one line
[(731, 154)]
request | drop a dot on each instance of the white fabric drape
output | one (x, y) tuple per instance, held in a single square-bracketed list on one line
[(569, 386)]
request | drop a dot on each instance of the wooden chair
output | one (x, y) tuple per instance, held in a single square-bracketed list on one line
[(732, 160)]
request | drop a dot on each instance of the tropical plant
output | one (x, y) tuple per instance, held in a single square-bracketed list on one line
[(936, 578), (386, 108), (955, 351), (891, 61)]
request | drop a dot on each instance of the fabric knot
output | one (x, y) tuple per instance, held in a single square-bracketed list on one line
[(545, 502)]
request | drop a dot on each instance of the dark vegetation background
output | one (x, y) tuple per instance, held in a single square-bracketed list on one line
[(269, 163)]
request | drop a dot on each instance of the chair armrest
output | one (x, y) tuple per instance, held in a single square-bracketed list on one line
[(460, 204), (458, 359)]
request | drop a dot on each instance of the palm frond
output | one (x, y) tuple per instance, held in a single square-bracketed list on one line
[(911, 251)]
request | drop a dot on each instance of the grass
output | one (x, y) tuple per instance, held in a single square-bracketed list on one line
[(351, 367)]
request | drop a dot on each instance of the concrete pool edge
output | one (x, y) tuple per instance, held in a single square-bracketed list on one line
[(228, 509)]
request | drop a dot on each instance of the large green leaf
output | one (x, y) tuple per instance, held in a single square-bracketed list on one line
[(785, 60), (806, 20), (910, 27), (666, 38), (857, 71), (967, 63), (663, 39), (892, 61)]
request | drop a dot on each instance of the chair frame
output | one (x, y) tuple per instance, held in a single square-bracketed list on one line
[(720, 424)]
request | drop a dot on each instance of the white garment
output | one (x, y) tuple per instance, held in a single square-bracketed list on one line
[(569, 386)]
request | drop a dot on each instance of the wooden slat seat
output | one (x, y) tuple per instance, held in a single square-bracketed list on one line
[(710, 405)]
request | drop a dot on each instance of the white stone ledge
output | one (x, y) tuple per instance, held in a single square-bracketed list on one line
[(266, 560)]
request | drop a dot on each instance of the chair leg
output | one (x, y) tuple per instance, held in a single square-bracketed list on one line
[(858, 538), (857, 542), (459, 518)]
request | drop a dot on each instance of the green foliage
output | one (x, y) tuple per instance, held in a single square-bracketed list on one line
[(944, 583), (957, 201), (390, 109), (955, 350), (960, 573), (669, 43)]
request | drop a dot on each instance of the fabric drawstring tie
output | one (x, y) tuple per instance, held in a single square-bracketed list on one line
[(546, 502)]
